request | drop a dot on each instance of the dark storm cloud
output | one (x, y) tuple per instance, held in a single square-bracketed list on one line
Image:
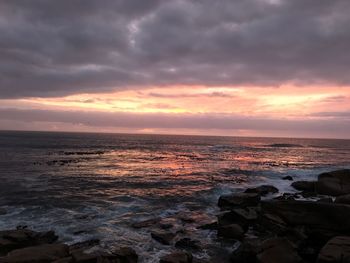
[(54, 48)]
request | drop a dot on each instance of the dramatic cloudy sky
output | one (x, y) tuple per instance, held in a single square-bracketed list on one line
[(225, 67)]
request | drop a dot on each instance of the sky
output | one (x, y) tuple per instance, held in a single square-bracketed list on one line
[(276, 68)]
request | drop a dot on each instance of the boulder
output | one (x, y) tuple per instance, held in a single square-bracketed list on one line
[(64, 260), (177, 257), (162, 236), (245, 215), (246, 252), (307, 186), (239, 200), (187, 243), (337, 250), (263, 190), (334, 183), (343, 199), (146, 223), (278, 250), (209, 226), (3, 211), (234, 231), (288, 177), (328, 217), (125, 255), (229, 218), (37, 254), (20, 238)]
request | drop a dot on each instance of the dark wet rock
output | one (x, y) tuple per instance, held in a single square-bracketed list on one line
[(337, 250), (177, 257), (246, 252), (84, 245), (278, 250), (325, 200), (41, 253), (162, 236), (209, 226), (287, 196), (146, 223), (234, 231), (3, 211), (343, 199), (20, 238), (239, 200), (288, 177), (263, 190), (247, 215), (325, 218), (273, 223), (229, 218), (79, 256), (166, 225), (64, 260), (187, 243), (125, 255), (307, 194), (334, 183), (308, 186)]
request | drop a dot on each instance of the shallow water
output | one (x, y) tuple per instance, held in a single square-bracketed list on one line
[(95, 185)]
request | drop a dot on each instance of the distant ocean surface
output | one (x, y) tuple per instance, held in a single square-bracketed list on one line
[(87, 186)]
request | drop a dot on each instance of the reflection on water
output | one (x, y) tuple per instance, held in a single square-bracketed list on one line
[(94, 185)]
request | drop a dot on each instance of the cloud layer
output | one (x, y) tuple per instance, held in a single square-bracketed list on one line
[(56, 48)]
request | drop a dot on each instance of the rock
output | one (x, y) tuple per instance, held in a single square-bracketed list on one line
[(187, 243), (317, 216), (246, 252), (79, 256), (229, 218), (146, 223), (263, 190), (177, 257), (334, 183), (209, 226), (84, 245), (239, 200), (337, 250), (343, 199), (64, 260), (278, 250), (20, 238), (246, 215), (126, 255), (308, 186), (162, 236), (40, 254), (3, 211), (325, 200), (288, 177), (234, 231)]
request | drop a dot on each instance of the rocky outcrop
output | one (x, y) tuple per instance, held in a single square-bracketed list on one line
[(239, 200), (20, 238), (177, 257), (263, 190), (343, 199), (164, 237), (278, 250), (41, 253), (307, 186), (234, 231), (334, 183), (337, 250)]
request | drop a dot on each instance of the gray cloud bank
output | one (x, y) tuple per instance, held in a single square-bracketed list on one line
[(334, 127), (55, 48)]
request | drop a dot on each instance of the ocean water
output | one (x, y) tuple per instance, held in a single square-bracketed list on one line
[(87, 186)]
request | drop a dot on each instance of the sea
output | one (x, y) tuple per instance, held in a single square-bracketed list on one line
[(95, 186)]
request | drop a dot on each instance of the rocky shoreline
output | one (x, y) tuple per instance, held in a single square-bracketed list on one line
[(309, 226)]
